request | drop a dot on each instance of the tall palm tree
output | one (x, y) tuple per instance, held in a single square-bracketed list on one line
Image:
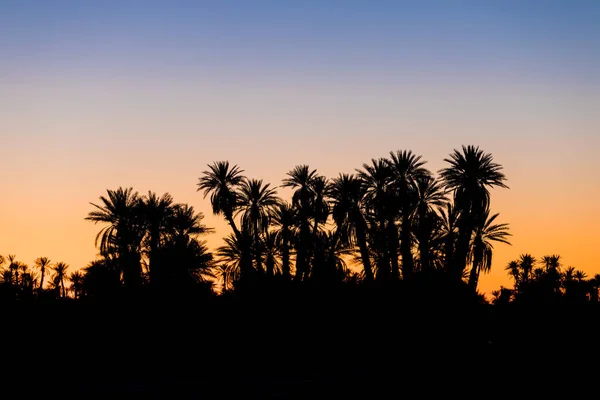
[(157, 213), (470, 176), (60, 273), (405, 168), (480, 255), (256, 204), (284, 219), (123, 233), (222, 182), (302, 178), (380, 203), (42, 263), (347, 194)]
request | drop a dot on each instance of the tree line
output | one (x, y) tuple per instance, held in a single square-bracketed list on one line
[(390, 221)]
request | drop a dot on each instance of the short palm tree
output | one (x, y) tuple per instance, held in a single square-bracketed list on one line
[(120, 210), (480, 255), (255, 205)]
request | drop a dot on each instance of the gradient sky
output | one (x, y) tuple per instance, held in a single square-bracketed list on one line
[(102, 94)]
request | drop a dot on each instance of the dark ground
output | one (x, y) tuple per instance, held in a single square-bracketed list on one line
[(326, 349)]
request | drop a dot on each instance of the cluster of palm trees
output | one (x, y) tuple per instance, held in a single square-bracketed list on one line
[(392, 216), (546, 281), (150, 239), (17, 280), (388, 221)]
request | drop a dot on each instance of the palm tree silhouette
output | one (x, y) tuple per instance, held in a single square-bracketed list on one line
[(157, 213), (480, 255), (76, 279), (42, 263), (121, 211), (405, 168), (347, 194), (429, 196), (302, 179), (469, 176), (255, 204), (221, 181), (376, 178), (60, 273)]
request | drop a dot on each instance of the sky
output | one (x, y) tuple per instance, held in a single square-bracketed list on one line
[(100, 94)]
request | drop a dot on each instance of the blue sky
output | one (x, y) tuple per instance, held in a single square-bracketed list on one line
[(364, 41)]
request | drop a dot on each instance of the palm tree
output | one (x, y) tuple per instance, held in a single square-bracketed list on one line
[(256, 204), (230, 260), (480, 255), (42, 263), (429, 196), (526, 263), (222, 181), (302, 179), (284, 218), (470, 175), (76, 279), (347, 193), (121, 211), (376, 177), (157, 213), (405, 168), (60, 272)]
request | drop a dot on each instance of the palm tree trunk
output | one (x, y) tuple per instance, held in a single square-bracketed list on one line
[(257, 248), (42, 279)]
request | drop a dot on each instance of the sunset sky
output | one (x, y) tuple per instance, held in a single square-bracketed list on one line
[(100, 94)]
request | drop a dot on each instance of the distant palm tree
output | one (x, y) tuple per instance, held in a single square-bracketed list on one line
[(405, 168), (480, 255), (470, 175), (256, 204), (42, 263), (121, 211), (302, 178), (347, 194), (60, 273), (76, 279), (526, 264)]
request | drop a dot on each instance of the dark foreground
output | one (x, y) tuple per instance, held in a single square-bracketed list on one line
[(325, 348)]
